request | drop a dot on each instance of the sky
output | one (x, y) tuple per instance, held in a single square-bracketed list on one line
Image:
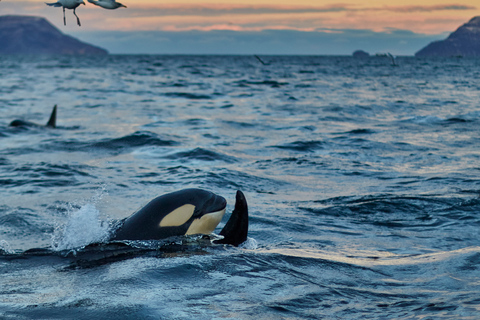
[(401, 27)]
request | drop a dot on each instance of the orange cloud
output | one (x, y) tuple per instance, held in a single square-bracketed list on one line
[(407, 9), (431, 17), (208, 10)]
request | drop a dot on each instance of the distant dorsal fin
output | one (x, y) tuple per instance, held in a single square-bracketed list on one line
[(52, 123)]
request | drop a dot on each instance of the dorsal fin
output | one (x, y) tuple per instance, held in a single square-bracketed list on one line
[(52, 123)]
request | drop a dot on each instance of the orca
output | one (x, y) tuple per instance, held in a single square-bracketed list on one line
[(52, 122), (186, 212)]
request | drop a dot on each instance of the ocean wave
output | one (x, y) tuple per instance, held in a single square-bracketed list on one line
[(201, 155), (270, 83), (302, 146), (393, 211), (44, 174), (361, 131), (238, 180), (23, 225), (188, 95), (137, 139), (116, 145)]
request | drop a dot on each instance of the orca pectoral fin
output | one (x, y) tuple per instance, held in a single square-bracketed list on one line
[(236, 230), (52, 123)]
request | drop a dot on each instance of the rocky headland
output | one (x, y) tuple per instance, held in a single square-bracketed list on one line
[(35, 35), (361, 54), (464, 42)]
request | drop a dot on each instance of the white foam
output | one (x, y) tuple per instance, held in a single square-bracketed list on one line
[(5, 246), (249, 244), (83, 227), (425, 119)]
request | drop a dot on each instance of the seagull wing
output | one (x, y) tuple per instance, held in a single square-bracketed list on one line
[(55, 4), (107, 4)]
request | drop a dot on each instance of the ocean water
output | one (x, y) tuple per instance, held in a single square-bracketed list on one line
[(362, 178)]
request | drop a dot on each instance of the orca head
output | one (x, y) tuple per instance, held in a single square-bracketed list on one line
[(188, 211)]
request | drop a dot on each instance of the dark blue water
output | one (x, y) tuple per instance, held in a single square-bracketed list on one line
[(362, 179)]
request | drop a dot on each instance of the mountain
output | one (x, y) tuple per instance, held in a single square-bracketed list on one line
[(35, 35), (465, 41)]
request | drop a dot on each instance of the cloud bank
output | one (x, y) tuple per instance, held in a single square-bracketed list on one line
[(166, 9)]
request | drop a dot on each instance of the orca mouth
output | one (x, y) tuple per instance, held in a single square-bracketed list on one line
[(206, 223), (214, 209)]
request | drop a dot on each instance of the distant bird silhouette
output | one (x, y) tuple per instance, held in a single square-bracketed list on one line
[(107, 4), (392, 58), (260, 60), (69, 4)]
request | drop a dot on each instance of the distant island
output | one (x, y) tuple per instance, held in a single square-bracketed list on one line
[(361, 54), (35, 35), (464, 42)]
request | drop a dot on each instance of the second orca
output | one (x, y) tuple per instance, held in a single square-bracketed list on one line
[(52, 122)]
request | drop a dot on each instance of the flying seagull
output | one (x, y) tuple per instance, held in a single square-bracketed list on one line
[(107, 4), (392, 58), (69, 4)]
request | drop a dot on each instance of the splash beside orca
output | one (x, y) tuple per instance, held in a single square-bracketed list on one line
[(186, 212), (52, 122)]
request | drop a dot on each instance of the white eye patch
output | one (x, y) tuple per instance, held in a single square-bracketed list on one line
[(178, 216)]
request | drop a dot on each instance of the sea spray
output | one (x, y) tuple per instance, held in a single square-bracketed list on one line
[(249, 244), (5, 247), (83, 227)]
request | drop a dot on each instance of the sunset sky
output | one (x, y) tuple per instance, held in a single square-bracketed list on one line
[(260, 26)]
